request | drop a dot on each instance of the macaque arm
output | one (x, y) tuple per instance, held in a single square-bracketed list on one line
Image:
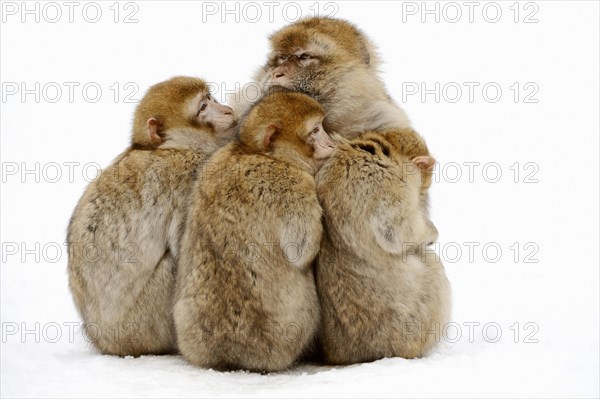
[(390, 228), (299, 239)]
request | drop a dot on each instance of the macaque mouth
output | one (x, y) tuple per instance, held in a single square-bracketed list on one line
[(234, 123), (275, 83), (209, 125), (323, 157), (324, 152)]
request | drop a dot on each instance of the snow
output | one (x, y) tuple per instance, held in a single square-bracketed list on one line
[(548, 283)]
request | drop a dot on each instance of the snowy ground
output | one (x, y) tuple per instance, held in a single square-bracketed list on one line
[(561, 362), (532, 275)]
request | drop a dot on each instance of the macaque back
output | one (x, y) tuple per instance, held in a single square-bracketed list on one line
[(382, 292), (246, 296), (124, 234), (123, 245)]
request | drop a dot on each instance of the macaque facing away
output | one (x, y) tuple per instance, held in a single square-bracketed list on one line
[(123, 237), (246, 295), (383, 293), (334, 62)]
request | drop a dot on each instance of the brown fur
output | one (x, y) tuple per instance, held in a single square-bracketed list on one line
[(246, 296), (162, 100), (380, 291), (342, 74), (337, 64), (123, 236)]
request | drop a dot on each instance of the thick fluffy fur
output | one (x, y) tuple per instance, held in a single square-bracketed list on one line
[(123, 244), (124, 234), (246, 295), (164, 102), (381, 292), (342, 75)]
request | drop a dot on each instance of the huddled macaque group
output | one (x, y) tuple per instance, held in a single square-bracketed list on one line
[(253, 236)]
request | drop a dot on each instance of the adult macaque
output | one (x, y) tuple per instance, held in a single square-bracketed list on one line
[(124, 234), (335, 63)]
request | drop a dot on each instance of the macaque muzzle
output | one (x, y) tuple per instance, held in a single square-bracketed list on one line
[(324, 145)]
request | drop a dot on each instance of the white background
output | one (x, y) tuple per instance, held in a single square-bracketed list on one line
[(550, 211)]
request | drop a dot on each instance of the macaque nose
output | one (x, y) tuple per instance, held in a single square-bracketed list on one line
[(226, 109)]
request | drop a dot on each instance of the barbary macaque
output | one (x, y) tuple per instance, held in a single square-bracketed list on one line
[(335, 63), (246, 295), (123, 237), (383, 293)]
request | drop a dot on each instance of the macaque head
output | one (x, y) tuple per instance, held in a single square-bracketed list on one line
[(406, 146), (289, 126), (412, 165), (410, 169), (313, 54), (174, 109)]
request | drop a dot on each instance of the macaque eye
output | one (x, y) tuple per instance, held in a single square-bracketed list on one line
[(203, 106), (315, 131), (304, 56)]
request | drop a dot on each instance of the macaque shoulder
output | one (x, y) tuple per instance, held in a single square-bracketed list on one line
[(138, 171), (269, 180), (348, 171)]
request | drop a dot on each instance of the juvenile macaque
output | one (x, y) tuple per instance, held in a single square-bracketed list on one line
[(333, 61), (246, 295), (124, 233), (383, 293)]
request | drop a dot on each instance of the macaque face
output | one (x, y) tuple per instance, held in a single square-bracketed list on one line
[(313, 55), (301, 71), (319, 139), (203, 109)]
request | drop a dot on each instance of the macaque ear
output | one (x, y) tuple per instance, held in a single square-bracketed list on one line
[(154, 128), (270, 132), (424, 162)]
